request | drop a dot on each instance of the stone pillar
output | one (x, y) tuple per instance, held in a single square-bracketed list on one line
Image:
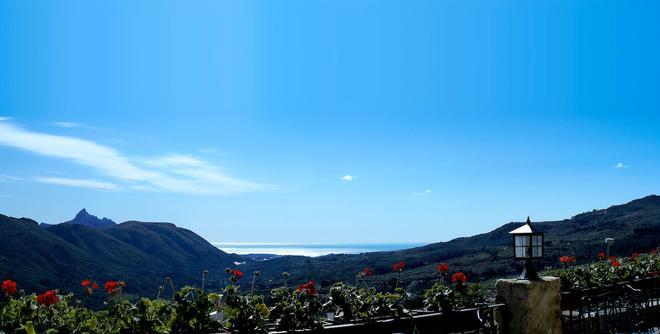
[(532, 306)]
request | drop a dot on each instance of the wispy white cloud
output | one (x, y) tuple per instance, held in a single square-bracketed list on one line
[(207, 150), (422, 193), (175, 173), (4, 118), (620, 165), (67, 124), (348, 178), (4, 178), (79, 183)]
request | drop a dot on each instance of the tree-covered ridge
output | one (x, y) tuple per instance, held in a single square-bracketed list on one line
[(145, 253)]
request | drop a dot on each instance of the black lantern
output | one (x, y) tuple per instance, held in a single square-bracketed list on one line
[(527, 245)]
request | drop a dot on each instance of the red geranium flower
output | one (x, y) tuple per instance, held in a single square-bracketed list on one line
[(614, 262), (308, 288), (237, 273), (111, 287), (85, 282), (442, 268), (48, 298), (367, 272), (567, 259), (601, 255), (95, 286), (459, 277), (9, 287), (399, 266)]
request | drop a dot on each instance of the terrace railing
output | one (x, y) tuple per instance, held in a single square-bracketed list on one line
[(621, 308), (483, 319)]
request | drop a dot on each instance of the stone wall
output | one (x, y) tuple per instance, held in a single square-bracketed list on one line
[(532, 306)]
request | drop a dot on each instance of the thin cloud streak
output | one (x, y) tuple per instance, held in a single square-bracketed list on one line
[(79, 183), (422, 193), (174, 173), (4, 178), (67, 124)]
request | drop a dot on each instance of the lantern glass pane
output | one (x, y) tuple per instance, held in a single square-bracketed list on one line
[(521, 245), (537, 246)]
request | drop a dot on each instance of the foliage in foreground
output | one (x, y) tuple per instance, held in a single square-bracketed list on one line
[(606, 271), (191, 310)]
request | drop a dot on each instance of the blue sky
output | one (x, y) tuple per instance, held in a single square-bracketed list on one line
[(240, 120)]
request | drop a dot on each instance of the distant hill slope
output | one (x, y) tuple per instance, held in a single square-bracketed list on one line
[(85, 219), (635, 226), (142, 254)]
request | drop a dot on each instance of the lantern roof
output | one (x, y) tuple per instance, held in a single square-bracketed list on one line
[(525, 229)]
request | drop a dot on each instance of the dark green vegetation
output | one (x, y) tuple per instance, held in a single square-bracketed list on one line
[(143, 254), (635, 226)]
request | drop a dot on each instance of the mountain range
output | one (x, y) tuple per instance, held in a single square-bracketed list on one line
[(140, 253), (44, 256)]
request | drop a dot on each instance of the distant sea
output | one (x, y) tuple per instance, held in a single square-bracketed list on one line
[(309, 249)]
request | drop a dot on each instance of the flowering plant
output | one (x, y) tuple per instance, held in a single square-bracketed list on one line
[(47, 298), (300, 309), (442, 268), (244, 313), (459, 278), (233, 275), (567, 260), (441, 297), (610, 271), (398, 268), (9, 287), (349, 303)]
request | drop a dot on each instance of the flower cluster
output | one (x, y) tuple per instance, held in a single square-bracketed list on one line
[(48, 298), (9, 287), (567, 260), (399, 266), (459, 278), (308, 288), (114, 287), (442, 268), (233, 275), (89, 286), (607, 271), (614, 262)]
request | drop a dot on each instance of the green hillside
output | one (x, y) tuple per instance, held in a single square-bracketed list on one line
[(143, 254)]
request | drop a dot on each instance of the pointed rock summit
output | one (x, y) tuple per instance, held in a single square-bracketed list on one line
[(84, 218)]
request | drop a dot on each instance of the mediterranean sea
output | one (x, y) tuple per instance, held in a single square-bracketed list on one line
[(312, 249)]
